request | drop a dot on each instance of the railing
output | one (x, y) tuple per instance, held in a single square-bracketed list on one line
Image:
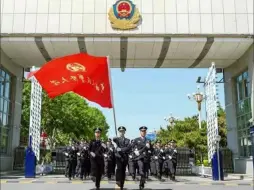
[(185, 161)]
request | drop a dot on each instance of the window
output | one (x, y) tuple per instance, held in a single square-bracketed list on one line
[(5, 109), (243, 113)]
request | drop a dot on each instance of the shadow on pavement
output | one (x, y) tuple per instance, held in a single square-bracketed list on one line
[(129, 189), (11, 177)]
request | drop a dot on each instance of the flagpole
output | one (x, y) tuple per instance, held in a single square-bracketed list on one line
[(112, 97)]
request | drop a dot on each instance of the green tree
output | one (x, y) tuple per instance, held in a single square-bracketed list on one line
[(187, 134), (64, 117)]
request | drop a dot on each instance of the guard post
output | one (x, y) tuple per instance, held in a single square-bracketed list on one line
[(30, 161), (217, 164)]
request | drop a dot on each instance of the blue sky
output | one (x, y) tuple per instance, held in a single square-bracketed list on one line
[(146, 96)]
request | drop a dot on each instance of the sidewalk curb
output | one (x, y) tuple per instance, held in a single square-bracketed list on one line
[(35, 181)]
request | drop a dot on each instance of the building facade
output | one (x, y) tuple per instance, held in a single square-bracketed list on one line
[(157, 34)]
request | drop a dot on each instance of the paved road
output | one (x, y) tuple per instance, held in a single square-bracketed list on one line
[(90, 186), (52, 182)]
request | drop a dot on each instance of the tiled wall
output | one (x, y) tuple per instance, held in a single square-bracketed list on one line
[(159, 16)]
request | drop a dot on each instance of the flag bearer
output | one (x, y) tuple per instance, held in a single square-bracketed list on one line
[(141, 146), (123, 148), (97, 150)]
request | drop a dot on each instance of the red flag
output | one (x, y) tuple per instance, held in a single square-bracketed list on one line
[(81, 73)]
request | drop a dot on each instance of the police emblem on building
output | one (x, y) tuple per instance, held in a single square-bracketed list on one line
[(124, 15)]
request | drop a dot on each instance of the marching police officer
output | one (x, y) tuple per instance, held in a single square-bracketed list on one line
[(97, 150), (121, 155), (147, 160), (65, 152), (132, 162), (173, 158), (141, 145), (83, 156), (109, 158), (159, 157), (71, 158)]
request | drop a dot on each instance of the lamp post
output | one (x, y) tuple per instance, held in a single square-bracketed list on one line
[(170, 119), (199, 98)]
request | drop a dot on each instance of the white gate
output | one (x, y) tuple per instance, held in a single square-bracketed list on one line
[(211, 109), (35, 115)]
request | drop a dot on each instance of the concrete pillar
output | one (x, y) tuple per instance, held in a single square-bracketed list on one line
[(251, 75), (230, 108)]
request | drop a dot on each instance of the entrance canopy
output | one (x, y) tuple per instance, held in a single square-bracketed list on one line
[(130, 52)]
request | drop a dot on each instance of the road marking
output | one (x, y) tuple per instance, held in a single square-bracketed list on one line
[(3, 181), (26, 181), (77, 182), (130, 182), (104, 182), (204, 184), (231, 184), (51, 182)]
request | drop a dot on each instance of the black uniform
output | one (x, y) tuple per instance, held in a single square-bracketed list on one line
[(132, 164), (147, 160), (97, 150), (71, 158), (84, 162), (65, 151), (109, 160), (159, 157), (171, 162), (141, 150), (121, 155)]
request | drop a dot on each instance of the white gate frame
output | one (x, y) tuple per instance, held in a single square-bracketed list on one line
[(35, 115), (211, 110)]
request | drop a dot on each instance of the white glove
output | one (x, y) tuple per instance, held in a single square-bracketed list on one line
[(163, 158), (66, 154), (149, 151), (156, 157), (118, 149), (161, 150), (175, 151), (111, 149), (92, 154), (130, 156), (73, 147), (147, 145), (103, 145), (170, 157), (105, 155), (84, 147), (78, 154), (136, 152)]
